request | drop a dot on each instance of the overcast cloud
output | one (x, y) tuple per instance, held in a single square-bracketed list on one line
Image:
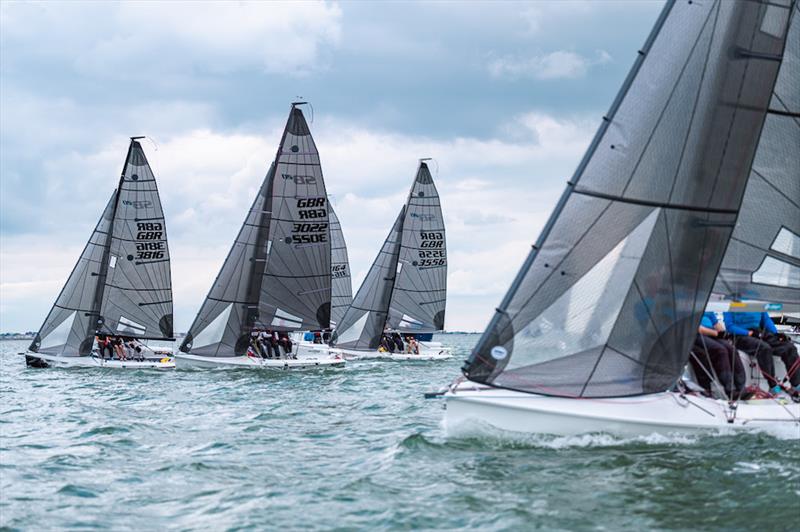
[(504, 96)]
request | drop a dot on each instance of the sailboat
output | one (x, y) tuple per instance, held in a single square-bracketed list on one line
[(277, 275), (405, 290), (690, 186), (121, 286), (341, 286)]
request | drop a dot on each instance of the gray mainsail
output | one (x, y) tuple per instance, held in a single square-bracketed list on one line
[(121, 284), (341, 287), (420, 292), (364, 321), (277, 273), (763, 258), (137, 293), (608, 301)]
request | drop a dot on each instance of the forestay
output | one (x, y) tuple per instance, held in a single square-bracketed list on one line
[(341, 286), (763, 258), (277, 273), (420, 292), (608, 301), (364, 321), (121, 284)]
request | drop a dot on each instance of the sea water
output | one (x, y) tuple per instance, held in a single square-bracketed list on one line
[(350, 448)]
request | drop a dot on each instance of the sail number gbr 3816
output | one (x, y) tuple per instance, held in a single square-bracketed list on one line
[(150, 242), (311, 232)]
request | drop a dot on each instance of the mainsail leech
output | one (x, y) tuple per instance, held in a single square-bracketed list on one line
[(608, 301)]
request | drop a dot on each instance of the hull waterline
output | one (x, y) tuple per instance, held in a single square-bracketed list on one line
[(189, 361), (40, 360), (472, 406)]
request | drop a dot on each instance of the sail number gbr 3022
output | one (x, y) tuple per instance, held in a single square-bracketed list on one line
[(149, 240), (311, 232), (431, 252)]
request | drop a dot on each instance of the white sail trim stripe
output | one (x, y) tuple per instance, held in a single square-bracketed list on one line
[(212, 333), (128, 325), (776, 272), (787, 242), (353, 333), (60, 334), (285, 319)]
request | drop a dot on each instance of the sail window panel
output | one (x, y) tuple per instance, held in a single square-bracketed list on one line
[(787, 243), (777, 160), (582, 318), (776, 17), (354, 331), (631, 127), (777, 273), (614, 375)]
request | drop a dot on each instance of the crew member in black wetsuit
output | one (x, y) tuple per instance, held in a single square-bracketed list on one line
[(713, 355)]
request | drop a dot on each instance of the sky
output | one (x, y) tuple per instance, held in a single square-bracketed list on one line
[(505, 97)]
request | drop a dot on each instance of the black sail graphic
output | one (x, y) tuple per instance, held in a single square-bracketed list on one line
[(277, 273), (763, 258), (137, 293), (341, 286), (67, 329), (420, 292), (363, 323), (608, 301), (121, 284)]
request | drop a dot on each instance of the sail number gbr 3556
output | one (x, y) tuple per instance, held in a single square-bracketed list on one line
[(311, 232), (431, 252)]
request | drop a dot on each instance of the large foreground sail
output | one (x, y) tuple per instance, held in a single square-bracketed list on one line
[(121, 284), (278, 272), (608, 301)]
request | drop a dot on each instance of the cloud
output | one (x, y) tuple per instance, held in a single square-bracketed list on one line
[(166, 40), (560, 64), (496, 195)]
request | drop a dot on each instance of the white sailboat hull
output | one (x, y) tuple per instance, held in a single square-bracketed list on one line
[(428, 351), (471, 406), (94, 361), (187, 361)]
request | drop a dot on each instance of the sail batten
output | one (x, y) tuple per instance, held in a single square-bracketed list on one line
[(608, 301)]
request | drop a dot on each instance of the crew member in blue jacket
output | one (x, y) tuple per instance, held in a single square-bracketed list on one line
[(713, 355), (756, 334)]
